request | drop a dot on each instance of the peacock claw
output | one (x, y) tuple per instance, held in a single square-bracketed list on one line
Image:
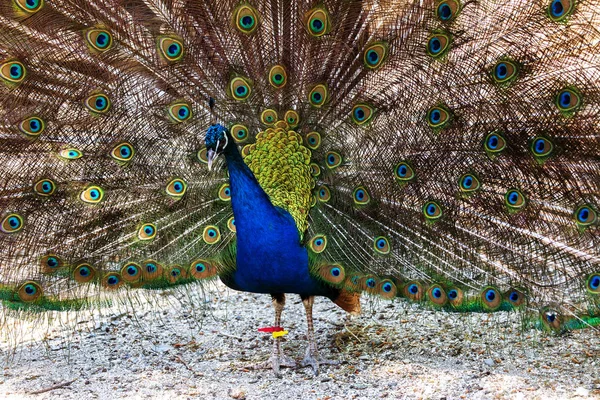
[(275, 362), (312, 359)]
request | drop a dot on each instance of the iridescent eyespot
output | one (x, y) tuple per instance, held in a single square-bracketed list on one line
[(551, 318), (360, 196), (12, 223), (505, 71), (438, 117), (97, 103), (585, 216), (175, 274), (44, 187), (131, 272), (92, 195), (179, 112), (231, 224), (147, 232), (413, 290), (447, 10), (315, 170), (202, 155), (323, 194), (381, 244), (269, 116), (490, 298), (593, 283), (318, 95), (455, 296), (432, 211), (122, 152), (494, 142), (559, 10), (515, 297), (386, 289), (112, 280), (246, 150), (171, 49), (313, 140), (333, 274), (84, 273), (245, 18), (32, 126), (29, 291), (438, 44), (151, 270), (318, 22), (375, 55), (333, 159), (29, 6), (292, 118), (240, 88), (12, 72), (176, 188), (225, 192), (437, 295), (362, 113), (202, 269), (541, 147), (50, 263), (568, 101), (469, 183), (277, 76), (404, 172), (318, 243), (70, 154), (211, 234), (239, 132), (514, 199), (99, 39)]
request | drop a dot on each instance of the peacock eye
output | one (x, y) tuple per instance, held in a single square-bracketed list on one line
[(176, 188), (292, 118), (469, 183), (361, 196), (585, 216), (84, 273), (225, 192), (50, 263), (240, 89), (92, 195), (381, 244), (313, 140), (170, 48), (315, 170), (514, 199), (131, 272), (318, 243), (12, 223), (568, 101), (333, 159), (123, 152), (413, 290), (268, 116), (147, 232), (318, 95), (98, 103), (362, 113), (112, 280), (32, 126), (246, 19), (551, 318), (432, 211), (387, 289), (438, 44), (70, 154), (447, 10), (211, 234), (99, 39), (515, 297), (333, 274), (12, 72), (44, 187), (375, 55), (324, 194), (151, 270), (318, 22), (559, 10), (455, 296), (277, 76), (438, 117), (231, 224), (179, 112), (437, 295), (593, 283), (505, 71), (541, 147), (29, 291), (202, 269), (239, 132), (494, 143), (491, 298), (29, 6), (404, 172), (202, 155)]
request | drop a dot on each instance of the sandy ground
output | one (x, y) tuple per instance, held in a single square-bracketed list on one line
[(393, 350)]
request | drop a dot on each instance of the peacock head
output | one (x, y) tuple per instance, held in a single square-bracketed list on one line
[(216, 141)]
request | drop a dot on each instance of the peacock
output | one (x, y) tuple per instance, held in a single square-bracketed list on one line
[(446, 152)]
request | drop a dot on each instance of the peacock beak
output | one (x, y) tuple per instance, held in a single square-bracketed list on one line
[(211, 155)]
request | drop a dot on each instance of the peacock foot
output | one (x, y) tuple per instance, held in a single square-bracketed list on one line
[(276, 362), (314, 360)]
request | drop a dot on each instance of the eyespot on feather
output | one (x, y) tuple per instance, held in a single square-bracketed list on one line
[(240, 88), (170, 48), (592, 283), (413, 290), (70, 154), (318, 243), (32, 126), (147, 232), (176, 188), (318, 95), (560, 10), (202, 155), (369, 283), (541, 147), (514, 200), (175, 274), (333, 274), (112, 280), (568, 101), (494, 143), (84, 273), (515, 297), (151, 270), (505, 71), (323, 194), (404, 172), (438, 44), (179, 112), (225, 192), (29, 6), (292, 118), (455, 296), (313, 140), (44, 187), (439, 117), (123, 152), (491, 298), (315, 170), (131, 272), (231, 224), (353, 282), (99, 39), (29, 291), (268, 117), (361, 196), (50, 263), (375, 55), (469, 183), (92, 195), (437, 295), (245, 18), (362, 113), (318, 22), (202, 269), (239, 133), (447, 10), (277, 76), (211, 234), (432, 211), (585, 216), (97, 104), (551, 319), (386, 289), (13, 72), (333, 159), (381, 244)]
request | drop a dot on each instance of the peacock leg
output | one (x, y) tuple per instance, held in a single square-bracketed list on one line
[(312, 358), (277, 359)]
